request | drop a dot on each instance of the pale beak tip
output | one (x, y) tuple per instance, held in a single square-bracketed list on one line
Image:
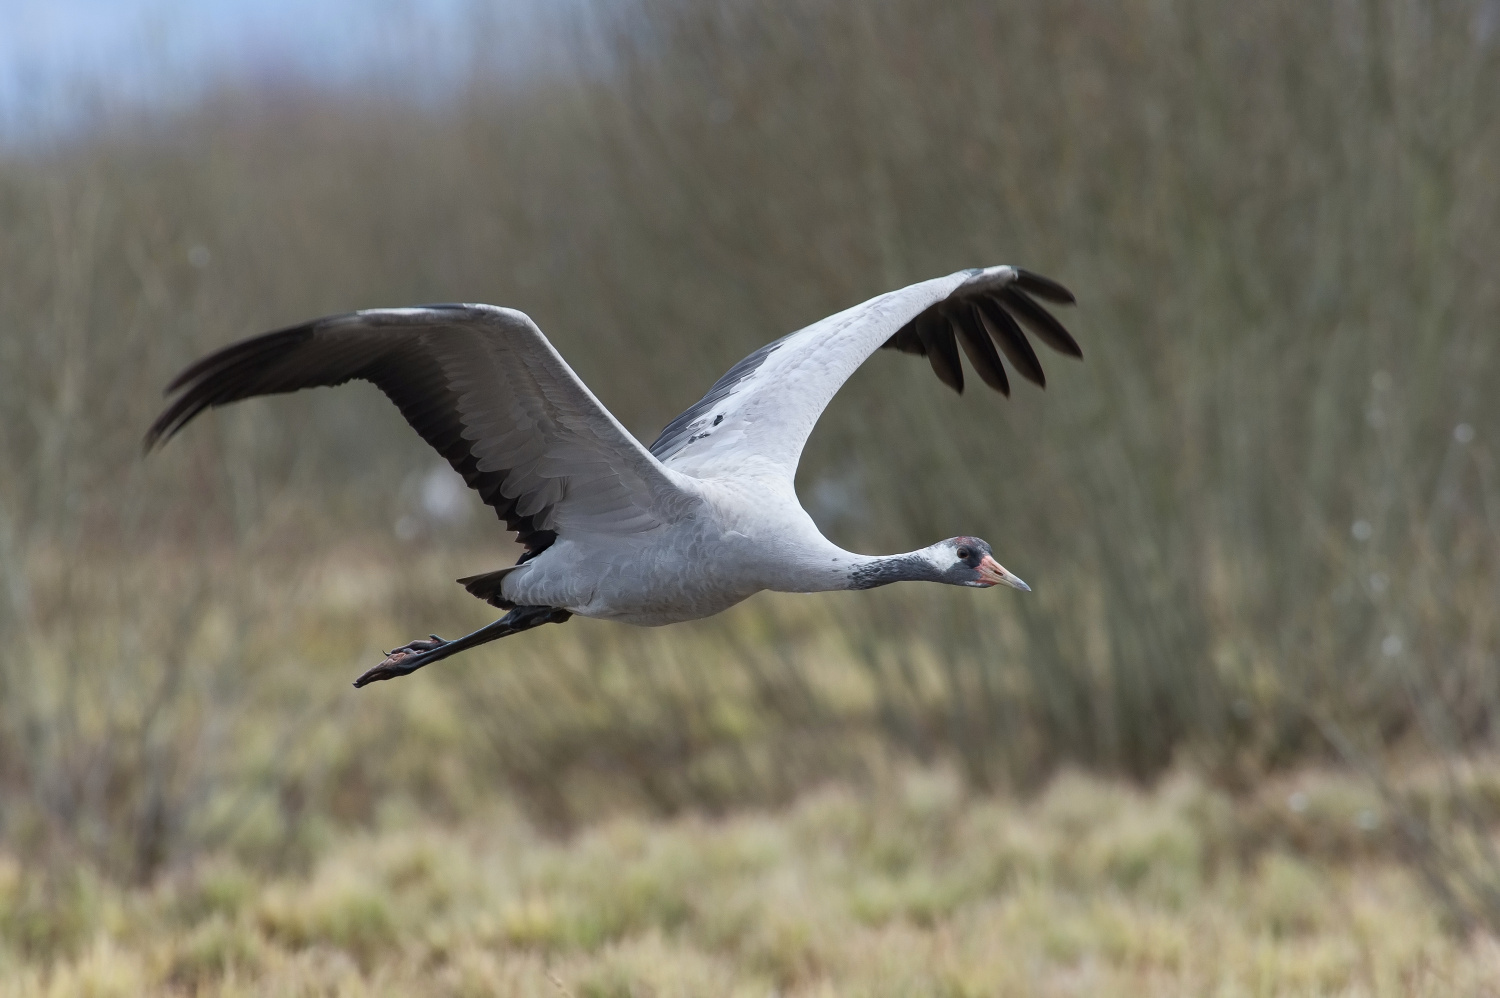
[(996, 574)]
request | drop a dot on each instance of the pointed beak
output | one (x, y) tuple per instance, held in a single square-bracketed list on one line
[(993, 573)]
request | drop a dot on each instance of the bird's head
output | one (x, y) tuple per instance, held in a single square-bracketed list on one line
[(968, 561)]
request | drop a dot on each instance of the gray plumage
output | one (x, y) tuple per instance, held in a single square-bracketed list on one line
[(702, 519)]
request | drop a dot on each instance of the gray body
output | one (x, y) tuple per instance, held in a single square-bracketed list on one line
[(746, 535)]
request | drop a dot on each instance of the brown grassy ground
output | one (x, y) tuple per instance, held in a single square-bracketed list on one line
[(919, 889), (603, 811)]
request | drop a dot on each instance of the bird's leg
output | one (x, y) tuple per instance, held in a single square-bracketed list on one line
[(424, 651)]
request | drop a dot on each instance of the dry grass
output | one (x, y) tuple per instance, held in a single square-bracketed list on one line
[(331, 841), (1089, 889)]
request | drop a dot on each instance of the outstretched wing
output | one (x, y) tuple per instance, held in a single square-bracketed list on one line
[(486, 390), (759, 415)]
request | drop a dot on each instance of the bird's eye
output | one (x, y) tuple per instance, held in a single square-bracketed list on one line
[(963, 554)]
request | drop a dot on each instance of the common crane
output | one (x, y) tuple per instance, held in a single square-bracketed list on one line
[(688, 527)]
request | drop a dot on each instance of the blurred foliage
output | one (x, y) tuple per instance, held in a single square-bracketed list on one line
[(1265, 508)]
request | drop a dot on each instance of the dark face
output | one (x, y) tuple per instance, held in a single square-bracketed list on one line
[(974, 565)]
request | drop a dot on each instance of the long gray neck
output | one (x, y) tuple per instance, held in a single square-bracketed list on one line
[(868, 573), (813, 564)]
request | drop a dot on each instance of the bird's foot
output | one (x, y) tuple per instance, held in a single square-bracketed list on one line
[(403, 661)]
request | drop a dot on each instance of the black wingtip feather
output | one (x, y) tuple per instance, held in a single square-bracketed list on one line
[(1011, 341), (978, 348), (1044, 288), (1039, 321), (226, 375), (242, 352), (983, 314), (942, 352)]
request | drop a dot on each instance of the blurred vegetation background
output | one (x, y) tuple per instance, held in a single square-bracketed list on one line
[(1262, 519)]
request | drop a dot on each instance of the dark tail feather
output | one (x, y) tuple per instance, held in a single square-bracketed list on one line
[(487, 586)]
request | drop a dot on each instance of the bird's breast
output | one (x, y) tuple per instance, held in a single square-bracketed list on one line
[(744, 539), (664, 576)]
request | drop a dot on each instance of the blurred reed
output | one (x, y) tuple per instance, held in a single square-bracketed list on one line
[(1266, 507)]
